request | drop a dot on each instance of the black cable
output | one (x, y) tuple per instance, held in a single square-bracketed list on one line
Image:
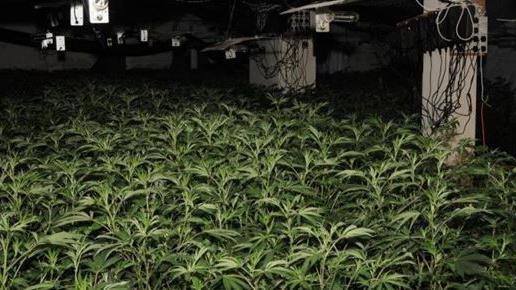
[(75, 3), (230, 22)]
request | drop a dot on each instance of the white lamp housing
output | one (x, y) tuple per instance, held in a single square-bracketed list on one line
[(76, 13), (99, 11)]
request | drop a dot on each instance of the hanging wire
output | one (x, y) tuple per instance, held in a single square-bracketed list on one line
[(285, 58), (452, 94), (230, 22), (75, 3)]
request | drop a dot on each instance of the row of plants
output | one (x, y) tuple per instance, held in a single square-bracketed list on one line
[(106, 187)]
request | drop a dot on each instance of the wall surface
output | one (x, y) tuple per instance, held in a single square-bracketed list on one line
[(501, 63), (187, 24), (155, 61), (501, 59), (365, 59), (28, 58), (367, 53)]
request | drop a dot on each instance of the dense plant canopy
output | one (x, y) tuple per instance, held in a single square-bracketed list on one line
[(113, 188)]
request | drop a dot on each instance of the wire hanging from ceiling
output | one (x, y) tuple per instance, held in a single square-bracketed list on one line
[(230, 22), (450, 94), (262, 11)]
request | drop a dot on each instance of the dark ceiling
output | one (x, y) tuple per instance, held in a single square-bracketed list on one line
[(132, 11), (235, 16)]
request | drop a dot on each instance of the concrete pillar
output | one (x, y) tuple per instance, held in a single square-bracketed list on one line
[(194, 59), (436, 69)]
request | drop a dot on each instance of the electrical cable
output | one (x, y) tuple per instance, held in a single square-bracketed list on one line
[(230, 22), (484, 101), (262, 11), (75, 3), (459, 22), (445, 101), (422, 6), (438, 23), (451, 94), (287, 59)]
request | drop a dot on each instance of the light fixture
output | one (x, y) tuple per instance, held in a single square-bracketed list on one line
[(76, 13), (144, 35), (230, 53), (60, 43), (321, 21), (99, 11), (120, 37), (346, 17), (176, 41)]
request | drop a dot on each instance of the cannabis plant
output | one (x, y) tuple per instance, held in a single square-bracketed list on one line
[(112, 187)]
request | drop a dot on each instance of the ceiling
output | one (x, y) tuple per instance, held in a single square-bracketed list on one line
[(235, 16), (386, 11)]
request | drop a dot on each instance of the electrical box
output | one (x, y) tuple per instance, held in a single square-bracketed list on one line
[(230, 53), (60, 43), (481, 35), (301, 21), (99, 11), (284, 62), (322, 21), (46, 42), (46, 39), (144, 35), (176, 42), (120, 37), (76, 13)]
